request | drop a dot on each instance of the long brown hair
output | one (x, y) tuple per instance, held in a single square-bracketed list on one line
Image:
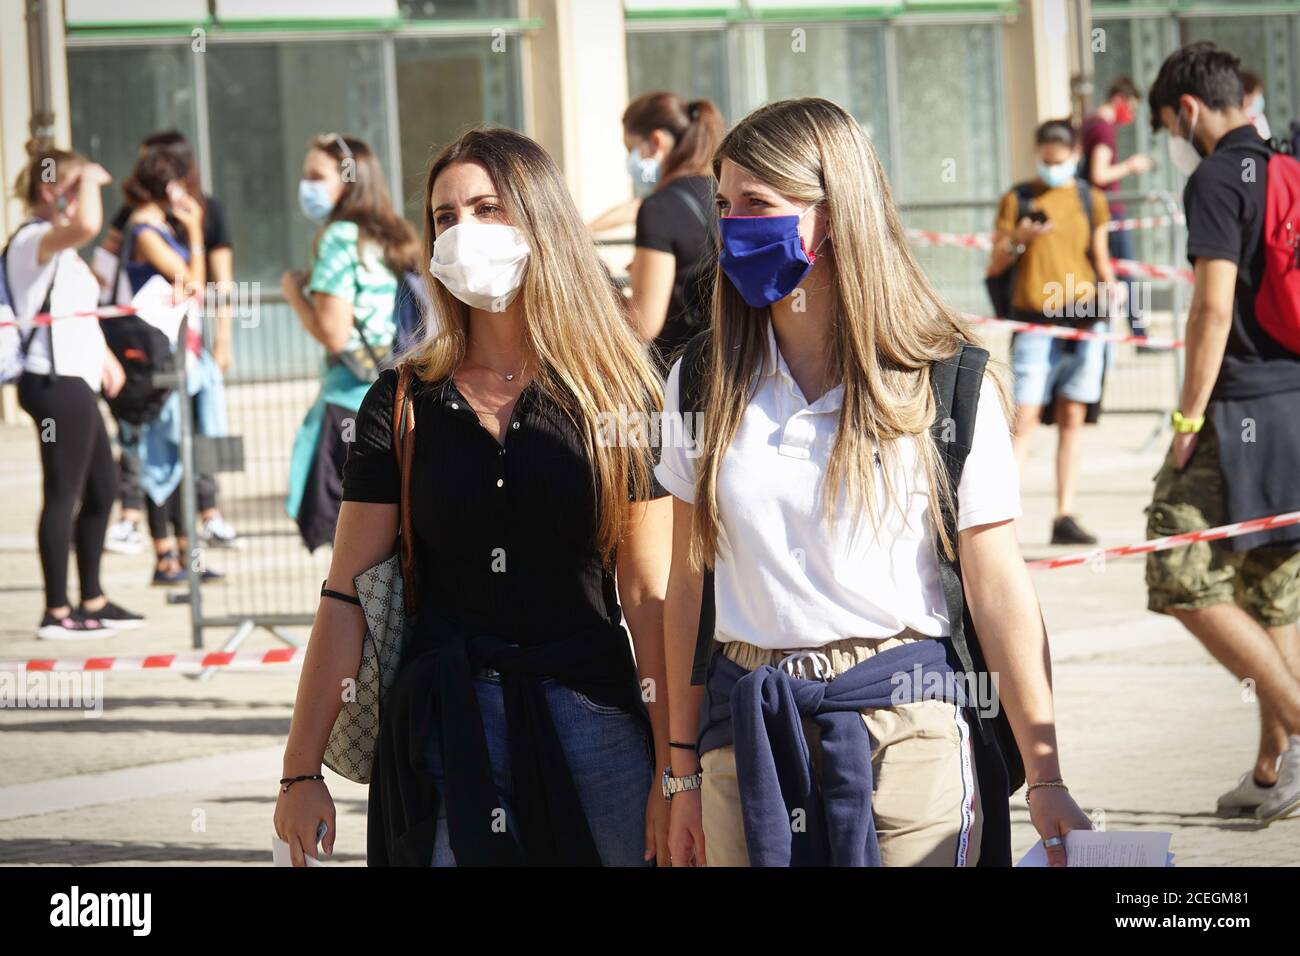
[(696, 127), (365, 201), (585, 353), (889, 322), (159, 164)]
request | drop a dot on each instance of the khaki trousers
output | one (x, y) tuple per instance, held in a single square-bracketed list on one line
[(926, 799)]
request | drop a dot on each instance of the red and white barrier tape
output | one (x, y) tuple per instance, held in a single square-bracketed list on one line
[(1127, 268), (1147, 270), (984, 240), (1170, 541), (103, 312), (192, 661), (1069, 332), (199, 660)]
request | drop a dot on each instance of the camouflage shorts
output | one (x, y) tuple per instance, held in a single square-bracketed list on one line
[(1264, 582)]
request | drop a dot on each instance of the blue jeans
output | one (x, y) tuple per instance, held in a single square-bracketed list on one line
[(1043, 365), (609, 757), (1122, 247)]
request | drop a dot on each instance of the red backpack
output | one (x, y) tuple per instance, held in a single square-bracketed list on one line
[(1277, 303)]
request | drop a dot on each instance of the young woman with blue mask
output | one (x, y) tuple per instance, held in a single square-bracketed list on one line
[(346, 302), (833, 726)]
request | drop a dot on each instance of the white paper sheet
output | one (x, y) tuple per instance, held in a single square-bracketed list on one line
[(1108, 848), (281, 856)]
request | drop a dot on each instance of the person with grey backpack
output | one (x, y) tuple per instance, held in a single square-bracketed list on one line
[(61, 365)]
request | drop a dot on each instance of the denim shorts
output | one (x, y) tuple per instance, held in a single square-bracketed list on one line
[(609, 756), (1045, 365)]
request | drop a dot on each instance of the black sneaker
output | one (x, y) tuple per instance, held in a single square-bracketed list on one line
[(1065, 530), (115, 616), (74, 626)]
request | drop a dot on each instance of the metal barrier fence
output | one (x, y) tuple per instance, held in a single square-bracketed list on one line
[(271, 580)]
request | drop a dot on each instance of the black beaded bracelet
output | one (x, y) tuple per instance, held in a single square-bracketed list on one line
[(287, 782)]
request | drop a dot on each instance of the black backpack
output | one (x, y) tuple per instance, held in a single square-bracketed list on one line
[(956, 384), (1001, 287), (146, 356)]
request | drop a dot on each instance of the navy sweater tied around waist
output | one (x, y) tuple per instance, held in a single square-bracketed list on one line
[(760, 712)]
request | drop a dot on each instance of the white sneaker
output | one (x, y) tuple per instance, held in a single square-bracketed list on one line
[(1284, 796), (219, 533), (124, 537), (1244, 798)]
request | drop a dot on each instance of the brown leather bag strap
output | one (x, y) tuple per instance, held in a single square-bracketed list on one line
[(404, 449)]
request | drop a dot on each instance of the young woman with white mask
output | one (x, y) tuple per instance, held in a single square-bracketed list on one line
[(518, 730)]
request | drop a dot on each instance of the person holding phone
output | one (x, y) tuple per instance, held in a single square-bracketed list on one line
[(65, 366), (124, 536), (1052, 232), (153, 246)]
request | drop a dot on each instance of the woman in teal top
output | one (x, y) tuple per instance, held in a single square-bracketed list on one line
[(346, 303)]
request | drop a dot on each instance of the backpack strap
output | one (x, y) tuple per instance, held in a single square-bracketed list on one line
[(696, 359), (956, 384), (25, 341), (404, 449)]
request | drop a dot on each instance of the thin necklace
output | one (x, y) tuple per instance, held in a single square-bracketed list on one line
[(508, 376)]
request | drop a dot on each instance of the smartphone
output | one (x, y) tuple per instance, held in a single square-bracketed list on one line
[(1037, 215), (175, 193)]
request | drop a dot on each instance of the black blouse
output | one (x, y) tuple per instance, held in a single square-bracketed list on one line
[(505, 534)]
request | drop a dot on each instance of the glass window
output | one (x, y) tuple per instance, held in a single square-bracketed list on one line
[(843, 63), (949, 112), (120, 96), (265, 101), (444, 87), (950, 145), (1267, 48), (690, 63)]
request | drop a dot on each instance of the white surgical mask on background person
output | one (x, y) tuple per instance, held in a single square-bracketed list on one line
[(481, 263), (1255, 110), (314, 200), (644, 171), (1059, 174), (1182, 151)]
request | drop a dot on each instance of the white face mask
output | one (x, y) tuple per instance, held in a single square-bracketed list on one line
[(1182, 153), (482, 264)]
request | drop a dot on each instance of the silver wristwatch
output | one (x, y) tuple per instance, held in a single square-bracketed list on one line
[(672, 785)]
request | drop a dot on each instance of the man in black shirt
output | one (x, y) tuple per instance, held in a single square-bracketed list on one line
[(1236, 448)]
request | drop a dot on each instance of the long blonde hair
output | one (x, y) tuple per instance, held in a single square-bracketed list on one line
[(584, 352), (888, 325)]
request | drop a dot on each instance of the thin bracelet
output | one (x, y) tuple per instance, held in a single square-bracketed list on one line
[(1057, 783), (287, 782), (339, 595), (681, 746)]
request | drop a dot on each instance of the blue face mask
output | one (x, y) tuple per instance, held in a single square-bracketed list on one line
[(644, 171), (1058, 175), (314, 200), (764, 256)]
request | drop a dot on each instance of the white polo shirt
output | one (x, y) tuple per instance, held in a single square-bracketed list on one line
[(783, 578)]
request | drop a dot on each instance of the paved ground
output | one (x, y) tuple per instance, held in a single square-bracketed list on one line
[(182, 771)]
